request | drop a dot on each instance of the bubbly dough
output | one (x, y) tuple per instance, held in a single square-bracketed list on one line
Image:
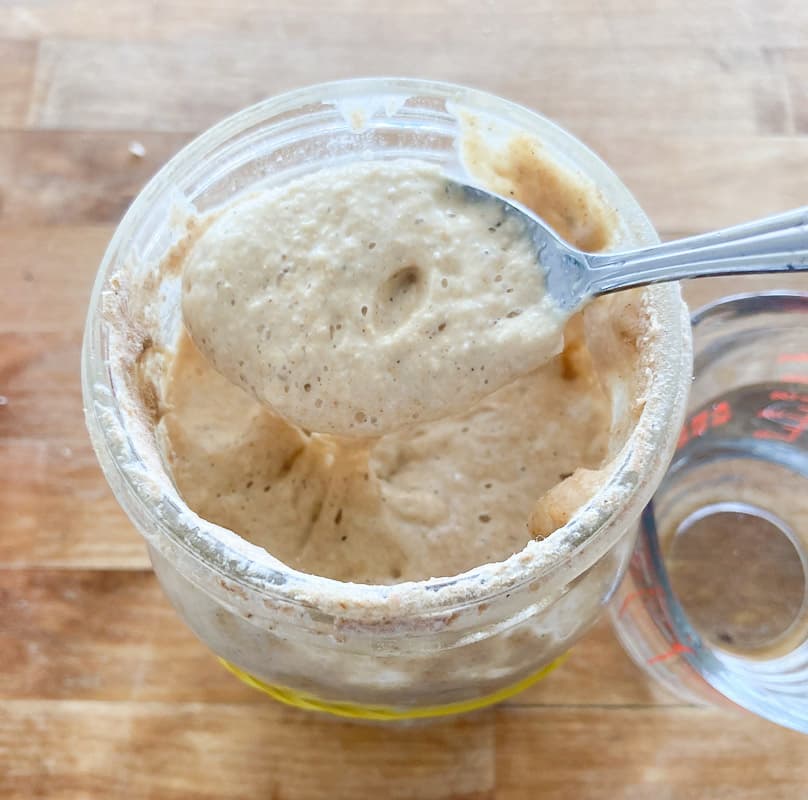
[(369, 296), (434, 498)]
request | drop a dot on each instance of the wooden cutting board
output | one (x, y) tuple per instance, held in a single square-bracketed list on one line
[(701, 107)]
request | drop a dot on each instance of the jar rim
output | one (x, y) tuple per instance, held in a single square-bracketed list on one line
[(245, 571)]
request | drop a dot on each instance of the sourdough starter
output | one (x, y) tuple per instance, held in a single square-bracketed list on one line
[(500, 464)]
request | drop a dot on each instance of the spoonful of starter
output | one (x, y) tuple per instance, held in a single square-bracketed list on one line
[(369, 296)]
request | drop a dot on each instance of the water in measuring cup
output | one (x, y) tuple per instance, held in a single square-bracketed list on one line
[(713, 604), (731, 519)]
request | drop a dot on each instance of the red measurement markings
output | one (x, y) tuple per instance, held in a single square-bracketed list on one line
[(676, 650), (788, 397), (715, 416), (631, 596), (792, 421)]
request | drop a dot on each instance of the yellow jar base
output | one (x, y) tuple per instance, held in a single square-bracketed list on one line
[(292, 697)]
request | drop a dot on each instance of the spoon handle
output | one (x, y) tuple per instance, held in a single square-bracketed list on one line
[(772, 244)]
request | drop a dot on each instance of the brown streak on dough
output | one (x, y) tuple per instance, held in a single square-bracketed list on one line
[(557, 507), (174, 260), (522, 170), (151, 402), (575, 359), (556, 196), (289, 463)]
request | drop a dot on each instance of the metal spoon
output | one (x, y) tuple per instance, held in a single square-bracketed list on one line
[(772, 244)]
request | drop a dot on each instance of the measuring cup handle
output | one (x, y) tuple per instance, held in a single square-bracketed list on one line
[(772, 244)]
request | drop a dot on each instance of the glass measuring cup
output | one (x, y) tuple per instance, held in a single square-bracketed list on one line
[(714, 604)]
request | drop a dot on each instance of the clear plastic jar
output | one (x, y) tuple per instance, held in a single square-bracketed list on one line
[(385, 652)]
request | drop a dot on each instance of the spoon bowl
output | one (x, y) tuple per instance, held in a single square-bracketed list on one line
[(572, 277)]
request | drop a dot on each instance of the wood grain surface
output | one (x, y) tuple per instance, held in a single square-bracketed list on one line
[(700, 105)]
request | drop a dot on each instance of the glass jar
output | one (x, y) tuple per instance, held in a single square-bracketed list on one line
[(386, 652)]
